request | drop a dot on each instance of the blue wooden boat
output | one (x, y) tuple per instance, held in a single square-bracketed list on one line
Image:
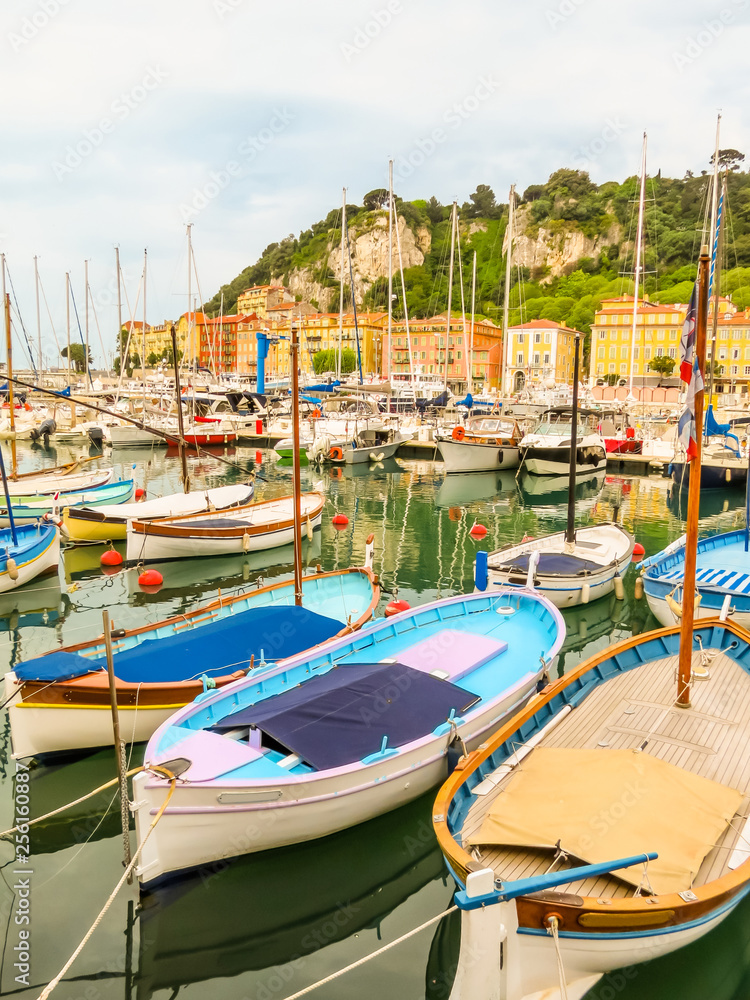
[(327, 740), (26, 553), (722, 578), (59, 700), (27, 509)]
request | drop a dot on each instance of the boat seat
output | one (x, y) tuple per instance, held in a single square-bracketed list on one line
[(216, 522), (451, 654), (212, 755)]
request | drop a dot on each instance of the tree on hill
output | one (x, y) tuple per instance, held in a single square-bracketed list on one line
[(325, 361), (483, 204), (376, 199), (435, 211), (729, 158)]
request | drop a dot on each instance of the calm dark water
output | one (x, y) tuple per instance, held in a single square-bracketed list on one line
[(266, 926)]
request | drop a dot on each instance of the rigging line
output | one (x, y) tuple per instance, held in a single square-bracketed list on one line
[(49, 316), (131, 324), (20, 320), (98, 329), (80, 334)]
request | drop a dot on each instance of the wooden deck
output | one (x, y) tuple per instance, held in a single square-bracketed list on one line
[(710, 739)]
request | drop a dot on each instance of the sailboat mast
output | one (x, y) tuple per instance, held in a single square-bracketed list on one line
[(638, 251), (180, 426), (143, 335), (714, 285), (190, 293), (86, 314), (296, 469), (119, 308), (713, 239), (505, 346), (570, 530), (390, 266), (450, 294), (354, 303), (470, 372), (406, 309), (9, 369), (341, 287), (67, 334), (38, 315), (685, 663)]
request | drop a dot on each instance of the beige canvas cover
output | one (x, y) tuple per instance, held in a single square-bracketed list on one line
[(607, 804)]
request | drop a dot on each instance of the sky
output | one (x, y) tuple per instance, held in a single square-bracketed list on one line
[(122, 123)]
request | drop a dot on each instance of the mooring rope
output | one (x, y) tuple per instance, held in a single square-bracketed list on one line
[(367, 958), (552, 929), (102, 913)]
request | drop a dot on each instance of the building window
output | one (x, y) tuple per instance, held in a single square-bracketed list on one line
[(548, 338), (611, 369), (623, 369), (519, 358), (602, 335), (613, 352), (536, 359), (636, 353), (735, 369), (546, 357), (624, 353), (602, 352), (673, 352), (737, 335), (519, 338), (747, 370), (537, 338), (600, 369), (722, 354), (646, 353), (735, 353)]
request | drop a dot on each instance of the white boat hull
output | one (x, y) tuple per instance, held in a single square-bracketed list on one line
[(198, 829), (464, 456), (130, 436), (664, 615), (28, 571), (542, 466)]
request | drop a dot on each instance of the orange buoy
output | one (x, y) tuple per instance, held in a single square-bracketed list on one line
[(111, 558), (316, 414), (336, 454), (477, 530), (258, 457), (396, 607), (150, 581), (458, 433), (339, 521), (638, 551), (140, 493)]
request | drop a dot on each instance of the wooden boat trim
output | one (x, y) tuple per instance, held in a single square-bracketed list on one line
[(92, 690), (533, 912), (180, 526)]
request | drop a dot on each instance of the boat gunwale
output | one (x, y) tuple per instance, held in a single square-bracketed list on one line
[(178, 526), (532, 913)]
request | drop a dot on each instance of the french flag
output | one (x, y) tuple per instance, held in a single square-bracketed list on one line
[(690, 374)]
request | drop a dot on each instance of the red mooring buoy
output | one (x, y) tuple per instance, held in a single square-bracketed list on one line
[(638, 551), (478, 530), (111, 558), (396, 607), (140, 493), (339, 521), (150, 581)]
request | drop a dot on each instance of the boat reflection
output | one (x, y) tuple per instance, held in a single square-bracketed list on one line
[(268, 909), (457, 490), (550, 490)]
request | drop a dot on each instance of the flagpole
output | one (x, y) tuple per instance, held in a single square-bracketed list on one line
[(693, 458)]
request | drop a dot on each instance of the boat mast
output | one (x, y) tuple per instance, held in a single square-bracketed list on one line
[(9, 370), (38, 314), (11, 518), (341, 287), (354, 303), (86, 315), (119, 308), (390, 267), (67, 334), (570, 530), (471, 330), (296, 469), (450, 293), (505, 347), (685, 663), (713, 238), (181, 440), (638, 251), (143, 336), (714, 282), (190, 295), (406, 310)]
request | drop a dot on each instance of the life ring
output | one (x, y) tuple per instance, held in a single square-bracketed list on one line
[(458, 433), (316, 414), (27, 406), (335, 454)]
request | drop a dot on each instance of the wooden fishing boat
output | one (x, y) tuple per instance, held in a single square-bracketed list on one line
[(483, 444), (570, 567), (637, 759), (109, 523), (382, 709), (26, 552), (46, 484), (241, 529), (27, 509), (60, 700)]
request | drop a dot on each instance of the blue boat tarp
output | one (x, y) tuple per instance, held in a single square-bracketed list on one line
[(341, 716), (58, 666), (218, 648), (328, 387)]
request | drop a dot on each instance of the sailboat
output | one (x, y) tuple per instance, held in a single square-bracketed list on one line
[(606, 824), (571, 567)]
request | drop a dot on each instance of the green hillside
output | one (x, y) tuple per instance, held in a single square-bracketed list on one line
[(569, 203)]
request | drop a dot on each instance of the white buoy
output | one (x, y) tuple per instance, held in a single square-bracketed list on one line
[(585, 593), (12, 568), (246, 542), (638, 588), (619, 588)]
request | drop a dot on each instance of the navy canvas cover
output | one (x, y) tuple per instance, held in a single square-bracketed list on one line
[(341, 716), (554, 562), (217, 648)]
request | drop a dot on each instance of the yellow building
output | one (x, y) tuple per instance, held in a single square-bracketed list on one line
[(537, 351), (260, 298)]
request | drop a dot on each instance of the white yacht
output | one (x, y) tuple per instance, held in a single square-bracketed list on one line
[(546, 450)]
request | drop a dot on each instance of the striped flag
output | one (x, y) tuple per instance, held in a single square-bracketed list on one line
[(690, 374)]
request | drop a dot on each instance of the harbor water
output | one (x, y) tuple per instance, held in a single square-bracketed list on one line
[(265, 926)]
